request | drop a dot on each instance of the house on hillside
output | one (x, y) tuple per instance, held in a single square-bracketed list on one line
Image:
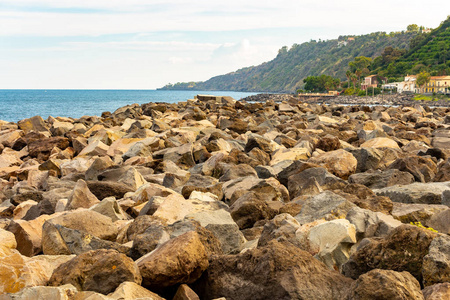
[(406, 86), (373, 81), (438, 84)]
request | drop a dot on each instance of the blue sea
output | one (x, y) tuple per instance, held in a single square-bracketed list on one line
[(16, 105)]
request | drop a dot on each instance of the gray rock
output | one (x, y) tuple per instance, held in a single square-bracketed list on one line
[(222, 225), (281, 228), (368, 158), (60, 240), (326, 205), (110, 207), (371, 224), (440, 221), (426, 193), (381, 179), (436, 264)]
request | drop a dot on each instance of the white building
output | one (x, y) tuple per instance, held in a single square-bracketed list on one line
[(408, 85)]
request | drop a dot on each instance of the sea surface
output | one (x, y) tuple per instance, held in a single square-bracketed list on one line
[(16, 105)]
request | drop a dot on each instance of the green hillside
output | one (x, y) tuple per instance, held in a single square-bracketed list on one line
[(286, 72), (429, 52)]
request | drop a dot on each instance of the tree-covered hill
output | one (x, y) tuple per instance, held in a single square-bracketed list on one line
[(286, 72), (429, 52)]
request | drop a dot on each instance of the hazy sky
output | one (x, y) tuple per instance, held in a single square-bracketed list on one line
[(144, 44)]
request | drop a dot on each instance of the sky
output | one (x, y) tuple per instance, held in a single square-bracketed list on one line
[(145, 44)]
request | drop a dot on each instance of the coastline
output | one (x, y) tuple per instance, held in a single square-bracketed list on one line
[(167, 198)]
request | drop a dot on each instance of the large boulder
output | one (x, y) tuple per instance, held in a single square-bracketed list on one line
[(371, 224), (65, 291), (249, 208), (440, 221), (385, 284), (332, 241), (339, 162), (422, 168), (100, 271), (368, 158), (35, 124), (41, 148), (88, 221), (28, 235), (381, 179), (313, 181), (276, 271), (18, 271), (436, 264), (420, 193), (222, 225), (104, 189), (380, 142), (61, 240), (281, 228), (81, 197), (267, 189), (131, 290), (326, 205), (403, 249), (439, 291), (180, 260)]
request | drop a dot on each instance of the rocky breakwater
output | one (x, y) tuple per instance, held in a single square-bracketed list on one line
[(221, 199), (384, 99)]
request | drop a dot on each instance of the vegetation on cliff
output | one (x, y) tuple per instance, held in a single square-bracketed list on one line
[(348, 58), (286, 72)]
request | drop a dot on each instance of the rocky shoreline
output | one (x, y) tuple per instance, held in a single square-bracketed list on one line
[(214, 198), (383, 100)]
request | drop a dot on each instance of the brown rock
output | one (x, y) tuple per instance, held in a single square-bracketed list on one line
[(385, 284), (439, 291), (402, 250), (443, 172), (180, 260), (422, 168), (328, 143), (436, 264), (249, 209), (131, 290), (100, 271), (41, 148), (81, 197), (28, 235), (104, 189), (35, 123), (277, 271), (339, 162), (184, 292), (88, 221)]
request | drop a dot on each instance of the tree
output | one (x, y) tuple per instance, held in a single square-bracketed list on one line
[(320, 83), (412, 28), (348, 74), (358, 73), (360, 62), (422, 79), (354, 78), (443, 50)]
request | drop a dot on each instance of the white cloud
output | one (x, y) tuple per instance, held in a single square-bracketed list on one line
[(199, 15), (146, 44)]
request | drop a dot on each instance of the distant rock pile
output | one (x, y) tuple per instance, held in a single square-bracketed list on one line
[(384, 100), (221, 199)]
